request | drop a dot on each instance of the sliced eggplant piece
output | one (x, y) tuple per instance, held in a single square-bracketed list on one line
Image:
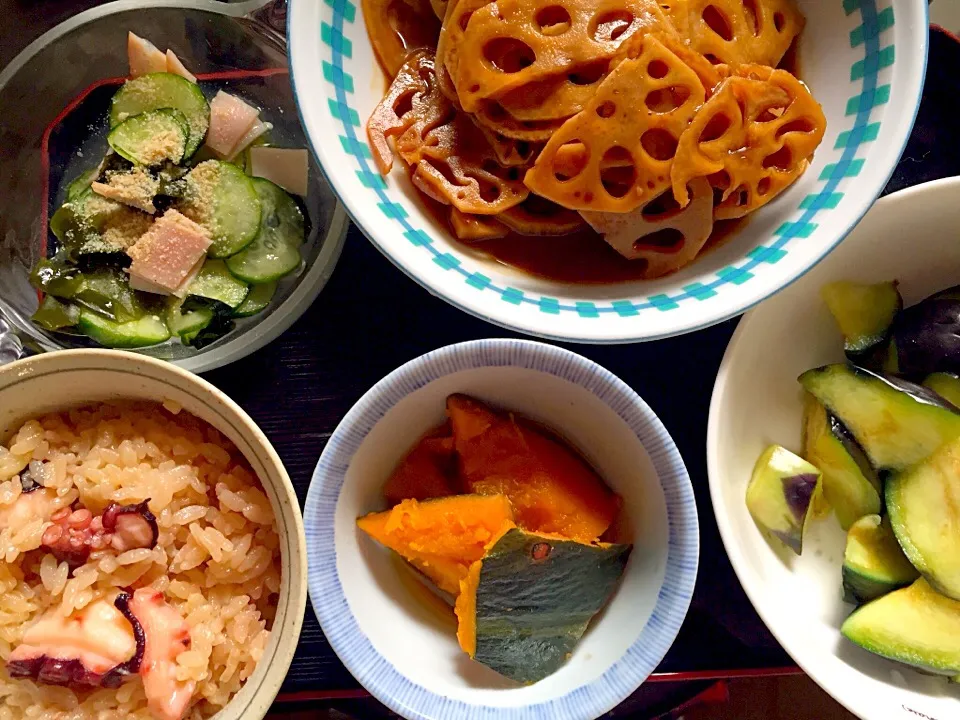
[(924, 507), (927, 335), (916, 626), (946, 385), (873, 563), (864, 314), (780, 494), (850, 484), (897, 423)]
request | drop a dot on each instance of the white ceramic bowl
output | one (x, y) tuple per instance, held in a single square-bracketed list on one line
[(396, 638), (865, 62), (69, 378), (910, 236)]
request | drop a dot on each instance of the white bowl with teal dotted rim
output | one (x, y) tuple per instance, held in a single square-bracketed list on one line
[(864, 60), (397, 638)]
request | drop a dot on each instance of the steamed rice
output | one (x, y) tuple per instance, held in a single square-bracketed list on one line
[(217, 559)]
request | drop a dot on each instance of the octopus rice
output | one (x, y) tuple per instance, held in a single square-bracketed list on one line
[(139, 566)]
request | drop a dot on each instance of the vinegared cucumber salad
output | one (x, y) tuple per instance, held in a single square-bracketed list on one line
[(187, 223)]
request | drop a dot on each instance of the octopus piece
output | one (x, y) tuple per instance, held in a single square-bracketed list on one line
[(37, 502), (167, 635), (98, 646), (75, 533)]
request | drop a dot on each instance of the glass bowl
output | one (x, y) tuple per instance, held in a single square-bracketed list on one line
[(55, 97)]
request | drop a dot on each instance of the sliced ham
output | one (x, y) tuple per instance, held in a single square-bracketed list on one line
[(144, 56), (230, 121), (168, 254), (177, 68), (258, 129), (285, 167)]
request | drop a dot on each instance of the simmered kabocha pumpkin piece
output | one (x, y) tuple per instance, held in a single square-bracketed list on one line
[(441, 537), (523, 608), (738, 31), (616, 154), (427, 471), (551, 488), (752, 139), (505, 44), (398, 28)]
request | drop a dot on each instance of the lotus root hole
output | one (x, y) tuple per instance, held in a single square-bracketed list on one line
[(611, 25), (659, 144), (618, 173), (588, 197), (720, 180), (769, 114), (717, 22), (509, 55), (665, 240), (801, 125), (606, 109), (553, 20), (782, 159), (474, 88), (513, 174), (660, 207), (570, 160), (465, 19), (779, 21), (763, 187), (716, 128), (489, 192), (753, 17), (404, 103), (657, 69), (713, 59), (589, 74), (668, 99)]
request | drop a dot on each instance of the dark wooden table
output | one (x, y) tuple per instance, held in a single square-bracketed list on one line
[(371, 318)]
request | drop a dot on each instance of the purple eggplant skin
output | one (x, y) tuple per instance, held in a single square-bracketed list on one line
[(917, 391), (926, 336)]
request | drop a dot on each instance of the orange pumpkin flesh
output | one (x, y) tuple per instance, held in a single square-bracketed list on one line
[(427, 471), (441, 537), (552, 489), (466, 610)]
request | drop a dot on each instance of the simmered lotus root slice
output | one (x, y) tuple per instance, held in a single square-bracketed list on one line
[(509, 43), (556, 96), (397, 28), (616, 154), (539, 216), (406, 101), (742, 31), (458, 167), (492, 115), (476, 227), (710, 75), (666, 238), (510, 151), (753, 138)]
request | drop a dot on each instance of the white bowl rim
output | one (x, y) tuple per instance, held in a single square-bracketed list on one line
[(713, 439), (326, 592), (718, 313)]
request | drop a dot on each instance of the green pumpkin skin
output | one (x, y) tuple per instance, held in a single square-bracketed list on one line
[(535, 597)]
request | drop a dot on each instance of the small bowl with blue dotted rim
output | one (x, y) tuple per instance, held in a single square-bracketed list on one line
[(864, 61), (397, 638)]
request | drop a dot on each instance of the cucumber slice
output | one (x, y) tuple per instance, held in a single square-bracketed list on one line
[(164, 90), (916, 626), (216, 282), (152, 137), (81, 183), (924, 507), (148, 330), (850, 485), (258, 299), (186, 324), (897, 423), (276, 250), (864, 314), (222, 198), (873, 563)]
